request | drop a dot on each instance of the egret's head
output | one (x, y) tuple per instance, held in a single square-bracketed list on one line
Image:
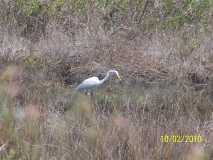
[(114, 72)]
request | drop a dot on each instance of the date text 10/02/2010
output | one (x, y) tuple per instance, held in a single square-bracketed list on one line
[(181, 139)]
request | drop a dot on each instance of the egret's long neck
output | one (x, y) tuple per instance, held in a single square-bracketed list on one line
[(105, 78)]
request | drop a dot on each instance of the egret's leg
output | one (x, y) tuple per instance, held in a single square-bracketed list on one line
[(91, 98)]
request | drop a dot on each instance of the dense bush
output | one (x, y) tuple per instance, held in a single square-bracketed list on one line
[(167, 14)]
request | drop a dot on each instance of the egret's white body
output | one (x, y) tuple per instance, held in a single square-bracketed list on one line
[(89, 83), (94, 82)]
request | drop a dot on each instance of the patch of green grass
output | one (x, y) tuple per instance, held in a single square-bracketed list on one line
[(55, 6), (29, 7)]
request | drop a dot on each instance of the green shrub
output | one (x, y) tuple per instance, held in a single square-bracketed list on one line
[(55, 6), (191, 11), (29, 7)]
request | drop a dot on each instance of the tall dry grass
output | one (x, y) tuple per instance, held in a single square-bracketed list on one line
[(166, 87), (120, 123)]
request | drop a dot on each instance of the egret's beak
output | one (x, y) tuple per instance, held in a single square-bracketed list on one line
[(119, 77)]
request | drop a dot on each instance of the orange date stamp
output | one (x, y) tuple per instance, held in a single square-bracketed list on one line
[(181, 139)]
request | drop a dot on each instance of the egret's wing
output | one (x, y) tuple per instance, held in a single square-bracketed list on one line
[(91, 81), (88, 83)]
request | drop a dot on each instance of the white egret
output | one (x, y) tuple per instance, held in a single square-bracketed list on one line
[(94, 82)]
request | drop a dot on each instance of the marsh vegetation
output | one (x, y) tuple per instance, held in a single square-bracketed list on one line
[(161, 48)]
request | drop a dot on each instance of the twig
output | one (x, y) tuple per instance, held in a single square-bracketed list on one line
[(143, 12)]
